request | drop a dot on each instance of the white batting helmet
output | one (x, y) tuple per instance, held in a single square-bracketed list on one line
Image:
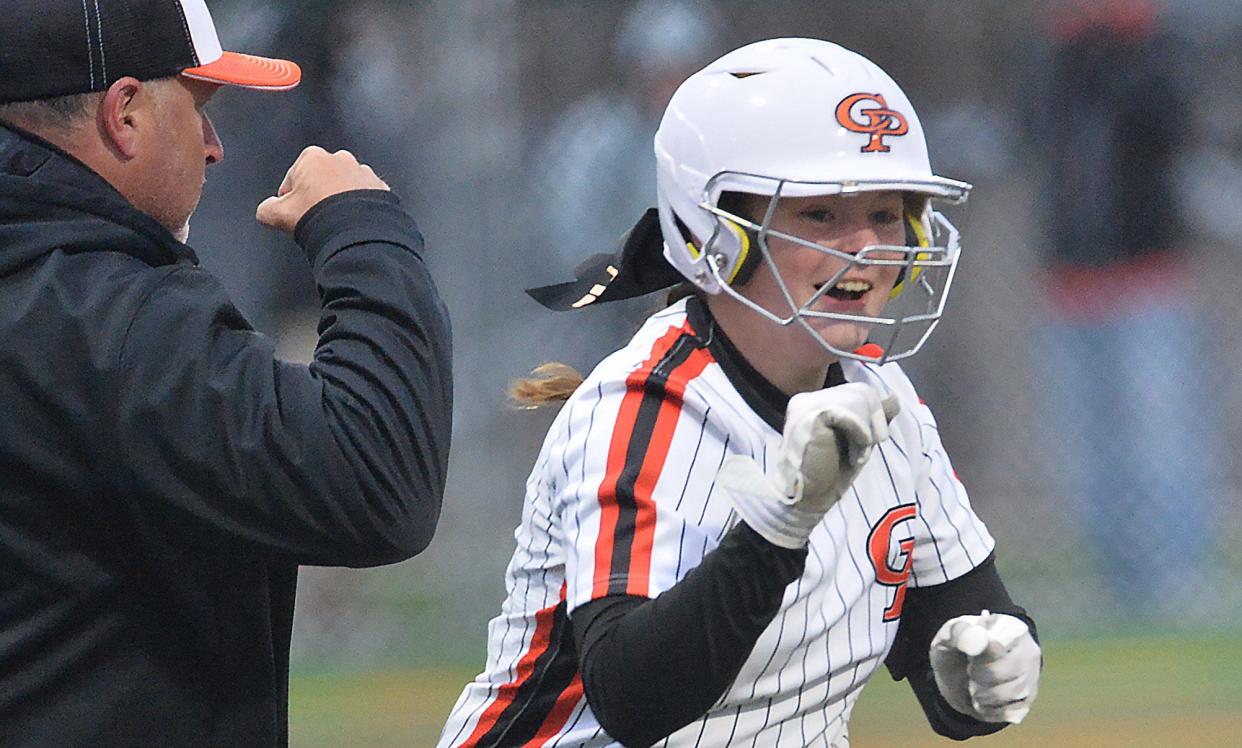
[(799, 118)]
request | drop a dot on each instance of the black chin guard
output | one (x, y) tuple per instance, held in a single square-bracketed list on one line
[(637, 268)]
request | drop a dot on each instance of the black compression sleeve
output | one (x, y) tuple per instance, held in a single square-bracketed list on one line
[(653, 665), (925, 611)]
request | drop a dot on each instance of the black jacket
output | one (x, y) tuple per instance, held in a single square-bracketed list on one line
[(162, 474)]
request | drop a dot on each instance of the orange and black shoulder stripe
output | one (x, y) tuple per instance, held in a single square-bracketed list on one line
[(546, 687), (640, 443)]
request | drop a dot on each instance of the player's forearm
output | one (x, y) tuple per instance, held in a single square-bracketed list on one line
[(652, 666), (944, 719), (925, 610)]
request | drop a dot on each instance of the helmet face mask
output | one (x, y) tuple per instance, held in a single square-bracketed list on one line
[(916, 303), (791, 118)]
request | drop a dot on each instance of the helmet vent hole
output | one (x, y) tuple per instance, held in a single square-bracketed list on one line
[(746, 74)]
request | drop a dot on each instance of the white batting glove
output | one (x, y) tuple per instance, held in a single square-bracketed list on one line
[(987, 666), (828, 438)]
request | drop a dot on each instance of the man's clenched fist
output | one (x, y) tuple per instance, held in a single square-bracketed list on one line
[(314, 176)]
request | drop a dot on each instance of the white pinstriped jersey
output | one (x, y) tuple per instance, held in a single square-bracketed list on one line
[(622, 501)]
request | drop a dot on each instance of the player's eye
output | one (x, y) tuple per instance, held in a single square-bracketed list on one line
[(817, 215), (884, 217)]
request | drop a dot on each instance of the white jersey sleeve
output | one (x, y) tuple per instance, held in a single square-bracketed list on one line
[(641, 452)]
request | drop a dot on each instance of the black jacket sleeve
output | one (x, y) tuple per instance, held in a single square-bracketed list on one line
[(339, 462), (925, 611), (652, 666)]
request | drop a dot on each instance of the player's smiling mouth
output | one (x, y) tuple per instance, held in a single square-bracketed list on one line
[(848, 289)]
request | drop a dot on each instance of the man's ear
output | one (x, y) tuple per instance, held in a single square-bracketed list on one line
[(120, 112)]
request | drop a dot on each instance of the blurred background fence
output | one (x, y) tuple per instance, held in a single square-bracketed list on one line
[(1086, 377)]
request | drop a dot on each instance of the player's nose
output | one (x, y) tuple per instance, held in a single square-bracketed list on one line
[(858, 237)]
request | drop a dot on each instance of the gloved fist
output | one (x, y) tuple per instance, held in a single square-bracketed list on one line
[(987, 666), (828, 438)]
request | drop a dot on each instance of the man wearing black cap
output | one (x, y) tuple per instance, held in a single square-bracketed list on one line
[(162, 475)]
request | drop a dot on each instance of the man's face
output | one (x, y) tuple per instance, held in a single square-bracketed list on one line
[(175, 160)]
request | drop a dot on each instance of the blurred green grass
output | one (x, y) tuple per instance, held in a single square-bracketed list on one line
[(1135, 692)]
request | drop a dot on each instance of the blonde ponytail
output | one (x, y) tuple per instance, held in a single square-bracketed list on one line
[(548, 384)]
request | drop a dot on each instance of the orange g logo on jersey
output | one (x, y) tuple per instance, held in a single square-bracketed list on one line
[(878, 121), (877, 548)]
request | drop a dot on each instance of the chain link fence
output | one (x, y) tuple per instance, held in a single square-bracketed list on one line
[(1097, 449)]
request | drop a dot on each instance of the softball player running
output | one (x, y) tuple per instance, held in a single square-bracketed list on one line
[(740, 515)]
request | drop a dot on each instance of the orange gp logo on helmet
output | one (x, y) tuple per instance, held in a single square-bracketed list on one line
[(881, 122)]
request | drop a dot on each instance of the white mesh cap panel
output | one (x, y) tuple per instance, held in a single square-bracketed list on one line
[(202, 31)]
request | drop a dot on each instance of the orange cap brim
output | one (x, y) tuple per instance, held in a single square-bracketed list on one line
[(248, 71)]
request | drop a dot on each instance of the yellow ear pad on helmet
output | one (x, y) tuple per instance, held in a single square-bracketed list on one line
[(916, 234), (743, 254)]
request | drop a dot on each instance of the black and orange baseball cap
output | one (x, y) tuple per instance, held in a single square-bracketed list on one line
[(51, 48)]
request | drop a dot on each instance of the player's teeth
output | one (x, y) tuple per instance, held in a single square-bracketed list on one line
[(854, 286)]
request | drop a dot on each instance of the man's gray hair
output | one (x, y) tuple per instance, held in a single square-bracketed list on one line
[(61, 113)]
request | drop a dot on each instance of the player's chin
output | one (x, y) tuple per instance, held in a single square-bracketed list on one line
[(844, 336)]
